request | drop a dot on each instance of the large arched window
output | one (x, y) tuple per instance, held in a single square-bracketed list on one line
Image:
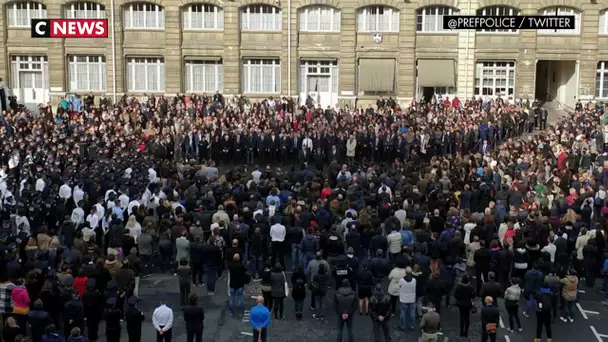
[(143, 16), (378, 19), (20, 14), (319, 19), (430, 19), (563, 11), (260, 18), (85, 10), (603, 29), (498, 11), (203, 17)]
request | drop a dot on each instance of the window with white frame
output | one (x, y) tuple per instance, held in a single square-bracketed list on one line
[(564, 11), (30, 63), (21, 13), (85, 10), (143, 16), (601, 80), (145, 74), (203, 76), (260, 18), (261, 76), (498, 11), (430, 19), (203, 17), (313, 71), (319, 19), (495, 78), (378, 19), (603, 29), (87, 73)]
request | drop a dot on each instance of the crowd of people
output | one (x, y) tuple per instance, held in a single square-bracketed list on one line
[(392, 211)]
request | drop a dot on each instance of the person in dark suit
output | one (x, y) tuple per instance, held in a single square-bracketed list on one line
[(284, 146), (490, 316), (334, 155), (237, 146), (249, 148), (194, 315), (134, 318), (259, 146), (304, 156)]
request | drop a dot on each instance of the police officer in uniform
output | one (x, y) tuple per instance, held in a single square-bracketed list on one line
[(93, 303), (112, 317), (73, 314), (134, 318)]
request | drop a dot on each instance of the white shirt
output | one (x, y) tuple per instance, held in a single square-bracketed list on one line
[(26, 224), (256, 174), (107, 195), (77, 215), (551, 249), (78, 194), (100, 210), (124, 201), (308, 143), (151, 175), (13, 161), (40, 184), (93, 220), (132, 205), (162, 317), (277, 233), (65, 191)]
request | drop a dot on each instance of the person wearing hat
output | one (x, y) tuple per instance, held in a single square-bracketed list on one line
[(112, 316), (92, 301), (134, 318), (73, 314)]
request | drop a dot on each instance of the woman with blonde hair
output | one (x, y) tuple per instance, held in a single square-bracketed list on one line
[(133, 227), (569, 217), (11, 330)]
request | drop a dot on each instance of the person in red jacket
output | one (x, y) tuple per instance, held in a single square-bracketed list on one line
[(80, 284)]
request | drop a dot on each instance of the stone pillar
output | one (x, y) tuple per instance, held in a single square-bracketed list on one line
[(173, 62), (589, 52), (406, 71), (289, 66), (525, 70), (465, 83), (121, 69), (5, 68), (347, 84), (56, 58), (231, 57)]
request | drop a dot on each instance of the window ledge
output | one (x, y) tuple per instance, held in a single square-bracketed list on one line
[(439, 33), (19, 27), (498, 33), (143, 29), (199, 30), (262, 31)]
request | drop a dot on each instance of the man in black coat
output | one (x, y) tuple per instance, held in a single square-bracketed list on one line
[(491, 288), (194, 315), (380, 312), (93, 302), (345, 304), (38, 319), (73, 314), (490, 317), (134, 318)]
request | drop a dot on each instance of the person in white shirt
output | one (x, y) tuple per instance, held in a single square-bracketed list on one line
[(78, 215), (124, 200), (78, 194), (106, 197), (256, 175), (65, 192), (40, 184), (162, 319), (277, 239), (550, 248), (93, 218)]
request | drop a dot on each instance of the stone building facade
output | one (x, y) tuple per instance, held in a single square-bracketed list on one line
[(334, 50)]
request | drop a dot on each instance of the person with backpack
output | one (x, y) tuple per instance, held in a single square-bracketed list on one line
[(544, 306), (298, 292)]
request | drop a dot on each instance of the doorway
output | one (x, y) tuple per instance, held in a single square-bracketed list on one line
[(557, 81)]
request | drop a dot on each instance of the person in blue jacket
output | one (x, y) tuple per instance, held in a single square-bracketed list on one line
[(259, 318)]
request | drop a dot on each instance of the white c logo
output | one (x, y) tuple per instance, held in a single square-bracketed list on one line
[(38, 27)]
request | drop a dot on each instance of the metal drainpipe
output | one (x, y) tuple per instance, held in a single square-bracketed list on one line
[(289, 48), (112, 24)]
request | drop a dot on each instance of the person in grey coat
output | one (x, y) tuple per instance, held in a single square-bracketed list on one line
[(346, 304), (277, 290), (182, 247)]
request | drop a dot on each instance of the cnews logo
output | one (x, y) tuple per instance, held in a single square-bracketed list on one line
[(69, 28)]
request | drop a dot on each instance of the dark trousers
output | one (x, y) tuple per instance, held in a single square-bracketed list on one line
[(465, 320), (166, 336), (267, 299), (184, 293), (257, 337), (478, 274), (394, 300), (277, 306), (381, 329), (278, 251), (113, 335), (349, 328), (190, 336), (197, 273), (135, 337), (513, 312), (543, 318), (92, 328), (485, 336)]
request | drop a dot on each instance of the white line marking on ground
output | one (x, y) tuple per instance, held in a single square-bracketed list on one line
[(597, 335), (157, 282), (507, 338), (581, 291), (580, 308), (502, 324), (253, 297), (246, 333), (439, 333)]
